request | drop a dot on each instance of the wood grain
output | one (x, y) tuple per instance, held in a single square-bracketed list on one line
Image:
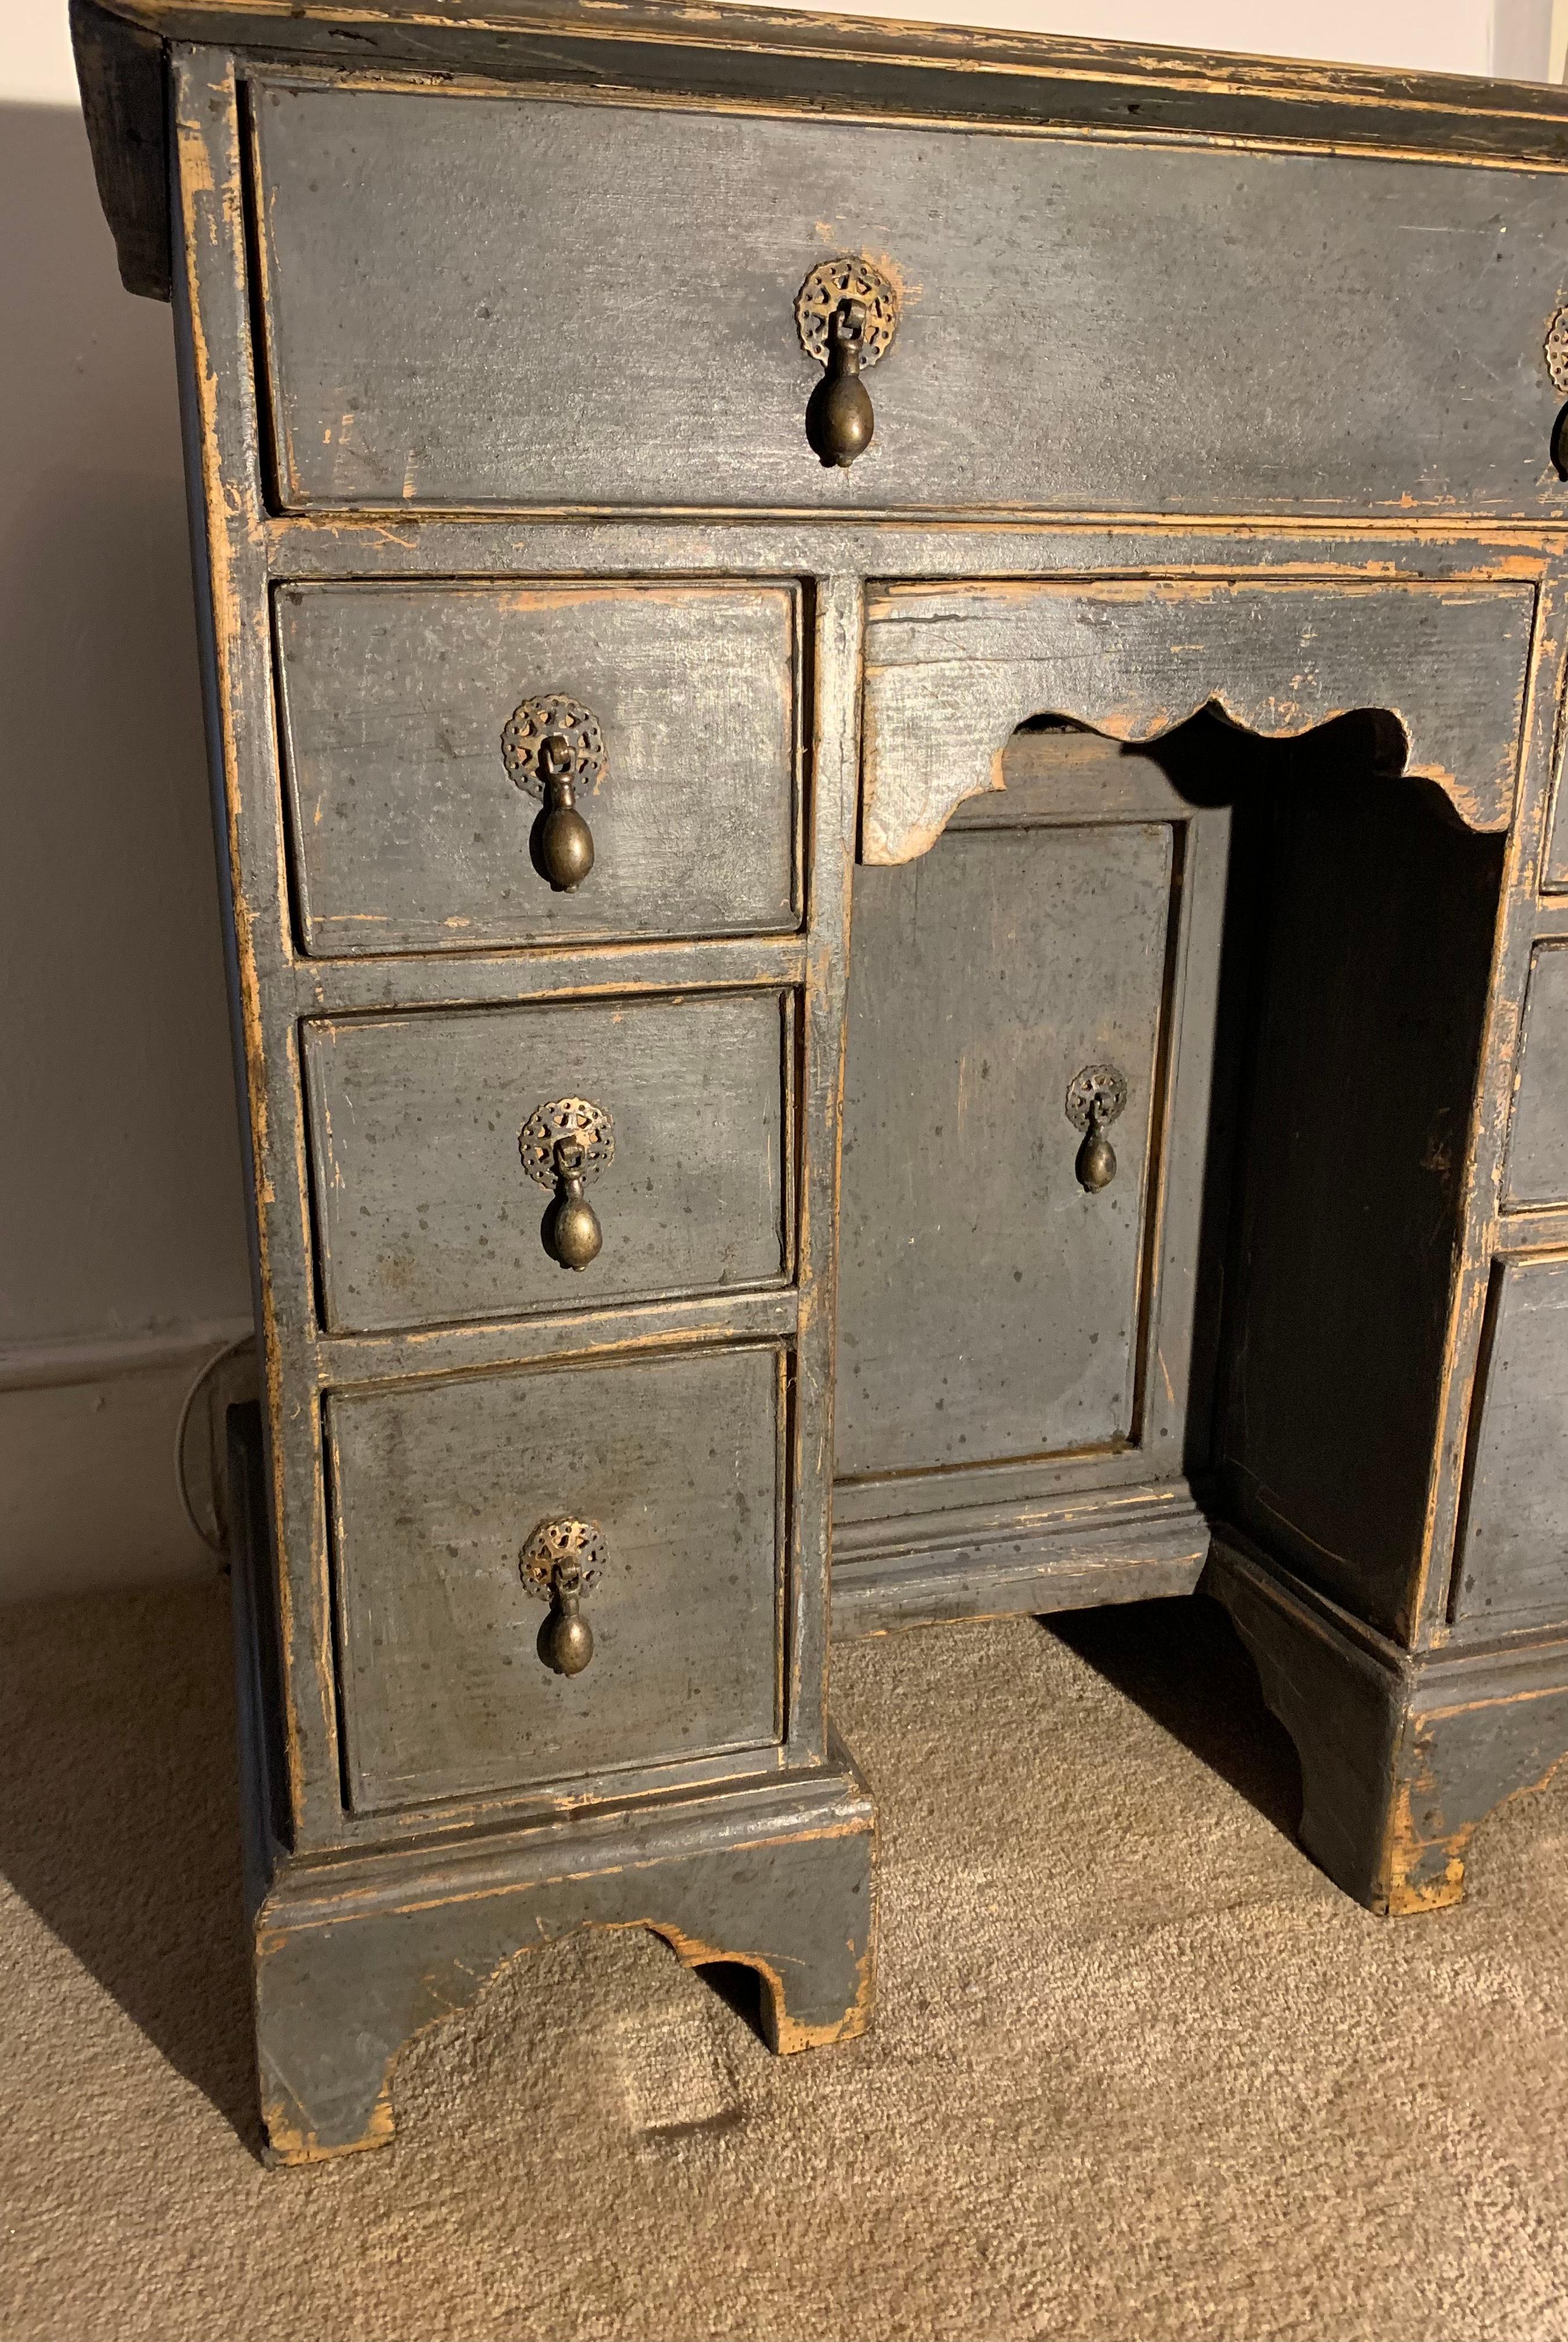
[(1402, 1760), (1003, 1336), (435, 1490), (411, 836), (1325, 351), (426, 1216), (988, 1306), (1364, 1060), (952, 671), (1511, 1563), (1538, 1128)]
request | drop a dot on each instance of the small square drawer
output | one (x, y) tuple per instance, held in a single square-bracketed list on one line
[(1538, 1131), (445, 1496), (432, 1205), (413, 719)]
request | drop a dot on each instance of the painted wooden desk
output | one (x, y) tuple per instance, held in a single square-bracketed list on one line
[(673, 492)]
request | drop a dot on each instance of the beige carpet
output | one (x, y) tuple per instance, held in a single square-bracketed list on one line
[(1139, 2071)]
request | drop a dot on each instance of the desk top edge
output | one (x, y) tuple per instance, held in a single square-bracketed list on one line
[(791, 59)]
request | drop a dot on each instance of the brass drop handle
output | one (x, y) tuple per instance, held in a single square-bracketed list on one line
[(552, 748), (561, 1145), (846, 313), (576, 1235), (565, 840), (1095, 1097), (563, 1560), (839, 420)]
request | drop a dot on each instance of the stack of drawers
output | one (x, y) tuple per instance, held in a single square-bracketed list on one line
[(411, 840)]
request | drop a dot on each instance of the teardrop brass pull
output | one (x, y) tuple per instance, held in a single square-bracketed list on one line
[(565, 840), (839, 421), (847, 313), (576, 1235), (561, 1145), (552, 748), (1095, 1097), (562, 1561), (1095, 1166)]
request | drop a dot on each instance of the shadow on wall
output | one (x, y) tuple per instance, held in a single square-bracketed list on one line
[(120, 1181)]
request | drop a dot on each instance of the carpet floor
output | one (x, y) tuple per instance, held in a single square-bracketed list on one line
[(1138, 2071)]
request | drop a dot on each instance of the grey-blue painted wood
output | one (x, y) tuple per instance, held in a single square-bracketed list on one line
[(424, 1212), (1128, 327), (412, 836), (1556, 872), (1538, 1131), (952, 670), (1210, 384), (1511, 1568), (436, 1491), (1015, 1352), (987, 1304)]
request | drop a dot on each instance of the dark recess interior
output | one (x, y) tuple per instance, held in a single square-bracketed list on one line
[(1358, 927)]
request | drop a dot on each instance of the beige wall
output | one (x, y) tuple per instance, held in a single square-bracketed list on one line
[(122, 1241), (122, 1249)]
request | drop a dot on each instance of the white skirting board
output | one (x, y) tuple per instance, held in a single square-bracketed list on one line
[(90, 1465)]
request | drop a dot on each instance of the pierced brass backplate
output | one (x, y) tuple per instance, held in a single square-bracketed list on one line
[(824, 293), (1557, 351), (576, 1546), (563, 1144), (552, 718), (570, 1121), (562, 1561), (1095, 1093)]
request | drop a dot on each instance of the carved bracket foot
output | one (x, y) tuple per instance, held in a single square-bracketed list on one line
[(350, 1969), (1401, 1756)]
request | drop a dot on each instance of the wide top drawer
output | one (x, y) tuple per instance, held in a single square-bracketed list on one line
[(517, 302)]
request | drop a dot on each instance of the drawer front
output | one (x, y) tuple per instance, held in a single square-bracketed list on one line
[(1512, 1568), (425, 1213), (436, 1493), (1554, 877), (493, 301), (988, 1305), (1538, 1133), (410, 834)]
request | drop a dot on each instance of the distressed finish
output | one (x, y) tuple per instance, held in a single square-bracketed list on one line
[(1556, 875), (1512, 1568), (952, 673), (412, 836), (353, 1958), (1361, 1081), (414, 247), (1538, 1131), (984, 980), (1400, 1762), (1074, 919), (1217, 421), (346, 1982), (427, 1213), (674, 48), (435, 1492)]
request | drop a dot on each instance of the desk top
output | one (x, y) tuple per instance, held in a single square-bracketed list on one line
[(826, 64)]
